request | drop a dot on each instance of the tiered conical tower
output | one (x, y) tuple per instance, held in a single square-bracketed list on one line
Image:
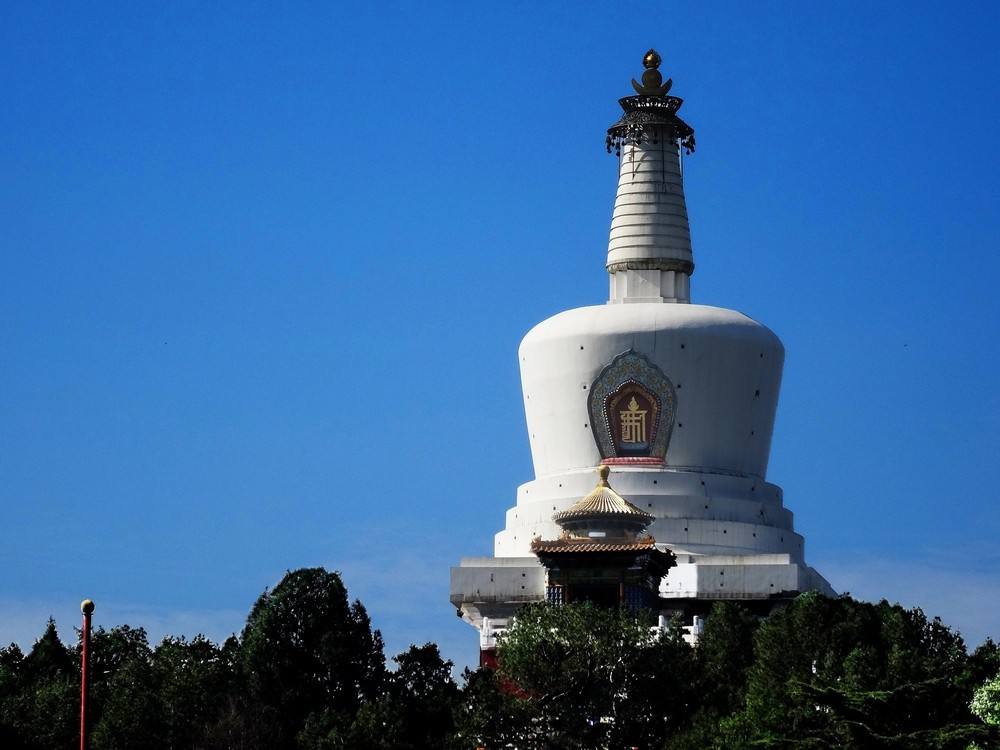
[(679, 399)]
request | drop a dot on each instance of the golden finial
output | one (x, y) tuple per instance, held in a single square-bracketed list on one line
[(605, 471), (87, 606), (652, 82)]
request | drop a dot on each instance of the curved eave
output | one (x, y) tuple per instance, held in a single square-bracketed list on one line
[(631, 517)]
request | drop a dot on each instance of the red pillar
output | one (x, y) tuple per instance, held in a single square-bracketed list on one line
[(488, 658), (87, 607)]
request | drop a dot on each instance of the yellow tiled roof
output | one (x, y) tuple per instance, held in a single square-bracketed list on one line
[(603, 501)]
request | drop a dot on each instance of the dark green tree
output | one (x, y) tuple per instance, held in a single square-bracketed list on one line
[(986, 702), (846, 674), (592, 677), (983, 664), (11, 663), (723, 659), (415, 712), (39, 695), (309, 660), (125, 710), (725, 655), (194, 680), (489, 714)]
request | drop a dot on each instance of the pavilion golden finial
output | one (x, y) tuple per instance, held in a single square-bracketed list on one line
[(605, 471), (652, 81)]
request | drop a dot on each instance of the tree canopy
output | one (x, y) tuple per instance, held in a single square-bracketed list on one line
[(308, 672), (818, 673)]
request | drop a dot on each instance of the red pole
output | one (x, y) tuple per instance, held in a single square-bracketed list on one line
[(87, 607)]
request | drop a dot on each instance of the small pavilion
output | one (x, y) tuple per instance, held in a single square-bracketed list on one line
[(604, 554)]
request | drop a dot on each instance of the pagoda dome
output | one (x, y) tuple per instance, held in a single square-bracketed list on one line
[(724, 370)]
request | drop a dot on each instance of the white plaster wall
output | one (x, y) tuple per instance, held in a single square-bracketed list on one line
[(740, 577), (487, 580), (683, 535), (650, 216), (739, 581), (725, 367), (694, 512), (488, 591)]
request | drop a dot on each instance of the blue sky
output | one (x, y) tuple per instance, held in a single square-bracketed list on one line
[(264, 271)]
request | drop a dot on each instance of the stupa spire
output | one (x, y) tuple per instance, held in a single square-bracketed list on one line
[(649, 250)]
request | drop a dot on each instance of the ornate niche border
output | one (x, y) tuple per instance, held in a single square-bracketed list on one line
[(632, 369)]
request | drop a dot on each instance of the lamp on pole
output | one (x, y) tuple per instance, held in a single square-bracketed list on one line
[(87, 608)]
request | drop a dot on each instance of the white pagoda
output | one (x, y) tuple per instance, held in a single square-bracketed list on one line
[(678, 399)]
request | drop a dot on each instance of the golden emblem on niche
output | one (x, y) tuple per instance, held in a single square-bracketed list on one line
[(631, 406), (633, 423)]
